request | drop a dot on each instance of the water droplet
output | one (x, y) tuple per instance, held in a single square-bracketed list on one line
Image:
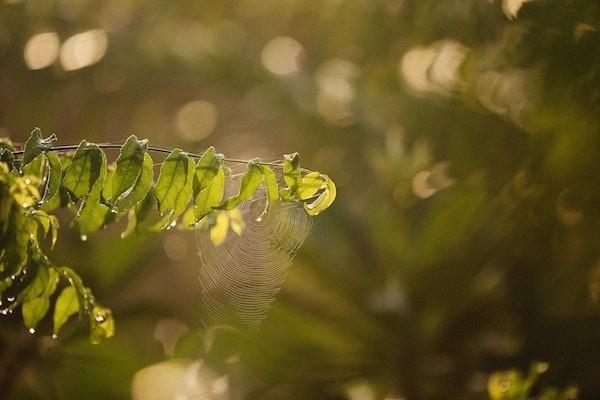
[(31, 330), (4, 311), (83, 238), (28, 181), (25, 205), (54, 336), (10, 298), (13, 277), (100, 318)]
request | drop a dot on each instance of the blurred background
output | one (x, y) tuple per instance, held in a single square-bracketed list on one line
[(463, 135)]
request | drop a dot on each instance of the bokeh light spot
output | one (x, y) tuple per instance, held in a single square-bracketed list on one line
[(281, 55), (196, 120), (83, 49), (41, 50)]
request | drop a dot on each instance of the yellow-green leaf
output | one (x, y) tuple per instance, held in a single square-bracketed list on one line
[(174, 186), (218, 232), (34, 310), (67, 304), (251, 180), (102, 325), (210, 196), (129, 168)]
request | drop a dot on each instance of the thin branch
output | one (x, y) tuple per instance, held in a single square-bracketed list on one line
[(70, 147)]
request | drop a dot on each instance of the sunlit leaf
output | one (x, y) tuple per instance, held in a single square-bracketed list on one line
[(251, 180), (129, 168), (67, 304), (210, 196), (291, 175), (310, 184), (206, 169), (218, 232), (87, 166), (174, 185), (324, 200)]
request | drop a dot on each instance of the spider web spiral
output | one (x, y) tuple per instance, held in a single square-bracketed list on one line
[(241, 277)]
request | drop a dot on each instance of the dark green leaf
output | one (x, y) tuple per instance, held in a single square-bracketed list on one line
[(141, 187), (92, 213), (53, 176), (35, 145), (7, 157), (87, 166)]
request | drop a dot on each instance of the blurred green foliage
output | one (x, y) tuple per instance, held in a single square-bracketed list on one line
[(462, 136)]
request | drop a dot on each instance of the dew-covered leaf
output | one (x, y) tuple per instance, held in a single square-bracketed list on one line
[(53, 176), (129, 168), (34, 310), (67, 304), (102, 325), (87, 166)]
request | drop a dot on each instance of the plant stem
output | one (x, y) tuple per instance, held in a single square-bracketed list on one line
[(70, 147)]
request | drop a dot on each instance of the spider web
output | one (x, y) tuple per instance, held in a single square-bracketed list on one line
[(241, 277)]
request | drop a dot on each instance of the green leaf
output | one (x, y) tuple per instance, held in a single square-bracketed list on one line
[(87, 166), (206, 169), (34, 310), (141, 187), (92, 212), (35, 145), (83, 297), (324, 200), (250, 182), (310, 184), (210, 196), (270, 183), (291, 175), (129, 168), (53, 176), (174, 185), (218, 232), (67, 305), (102, 325), (7, 157)]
